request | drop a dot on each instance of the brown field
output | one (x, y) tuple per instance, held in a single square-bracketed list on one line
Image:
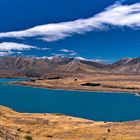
[(108, 82), (17, 126)]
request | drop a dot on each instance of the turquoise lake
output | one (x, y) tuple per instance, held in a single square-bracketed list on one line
[(96, 106), (6, 80)]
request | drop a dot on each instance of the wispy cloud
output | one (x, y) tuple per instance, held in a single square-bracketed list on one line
[(5, 53), (11, 46), (7, 48), (73, 54), (70, 52), (57, 54), (94, 60), (66, 50), (100, 60), (116, 15)]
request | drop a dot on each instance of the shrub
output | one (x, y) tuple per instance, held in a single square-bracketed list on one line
[(28, 137)]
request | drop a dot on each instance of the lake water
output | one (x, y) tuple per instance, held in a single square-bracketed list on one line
[(96, 106), (6, 80)]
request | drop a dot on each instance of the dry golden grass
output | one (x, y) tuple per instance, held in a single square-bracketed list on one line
[(16, 126), (125, 83)]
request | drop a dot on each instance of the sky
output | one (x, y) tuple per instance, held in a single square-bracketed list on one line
[(100, 30)]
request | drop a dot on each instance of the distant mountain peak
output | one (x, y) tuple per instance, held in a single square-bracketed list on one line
[(126, 59), (39, 66)]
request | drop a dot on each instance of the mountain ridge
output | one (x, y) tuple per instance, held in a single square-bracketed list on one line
[(37, 67)]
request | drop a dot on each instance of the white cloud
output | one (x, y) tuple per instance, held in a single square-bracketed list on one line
[(56, 54), (67, 51), (116, 15), (5, 53), (43, 49), (71, 52), (93, 60), (7, 48), (100, 60), (11, 46), (74, 53), (81, 58)]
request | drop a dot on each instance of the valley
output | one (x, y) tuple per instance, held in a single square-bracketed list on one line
[(68, 74)]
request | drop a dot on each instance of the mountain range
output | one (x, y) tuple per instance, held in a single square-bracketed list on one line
[(60, 65)]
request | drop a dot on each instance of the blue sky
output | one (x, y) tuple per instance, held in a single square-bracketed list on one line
[(104, 30)]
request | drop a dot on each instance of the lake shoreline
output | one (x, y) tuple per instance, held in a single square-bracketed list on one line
[(97, 83), (59, 126), (78, 88), (90, 83), (51, 91)]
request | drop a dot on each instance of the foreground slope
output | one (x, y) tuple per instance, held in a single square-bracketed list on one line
[(17, 126)]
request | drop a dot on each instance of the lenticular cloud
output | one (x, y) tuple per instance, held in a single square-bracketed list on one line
[(117, 15)]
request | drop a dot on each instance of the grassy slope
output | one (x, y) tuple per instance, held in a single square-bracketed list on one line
[(15, 125)]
